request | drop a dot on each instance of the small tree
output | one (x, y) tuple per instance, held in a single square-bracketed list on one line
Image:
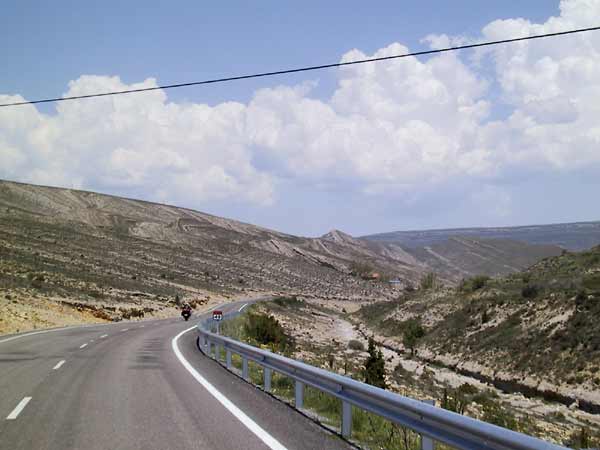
[(429, 281), (413, 331), (374, 371), (361, 268), (458, 400), (485, 317)]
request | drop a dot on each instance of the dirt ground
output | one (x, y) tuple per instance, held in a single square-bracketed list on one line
[(22, 310)]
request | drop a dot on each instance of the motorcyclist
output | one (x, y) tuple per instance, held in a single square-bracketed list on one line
[(186, 310)]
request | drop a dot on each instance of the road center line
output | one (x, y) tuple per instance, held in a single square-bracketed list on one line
[(243, 306), (83, 345), (263, 435), (125, 329), (103, 336), (59, 364), (15, 413)]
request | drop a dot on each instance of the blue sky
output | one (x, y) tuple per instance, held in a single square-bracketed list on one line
[(46, 45)]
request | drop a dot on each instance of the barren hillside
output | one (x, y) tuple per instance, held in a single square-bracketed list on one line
[(99, 250)]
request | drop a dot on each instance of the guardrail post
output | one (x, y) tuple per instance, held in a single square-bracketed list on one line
[(228, 358), (346, 419), (267, 379), (210, 349), (218, 352), (245, 368), (426, 442), (299, 397)]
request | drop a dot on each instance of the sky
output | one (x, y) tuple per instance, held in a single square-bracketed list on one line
[(508, 135)]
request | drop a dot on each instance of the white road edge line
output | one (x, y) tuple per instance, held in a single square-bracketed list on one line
[(103, 336), (15, 413), (243, 306), (59, 364), (83, 345), (264, 436), (125, 329)]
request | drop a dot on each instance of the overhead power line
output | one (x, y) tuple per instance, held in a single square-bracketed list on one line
[(304, 69)]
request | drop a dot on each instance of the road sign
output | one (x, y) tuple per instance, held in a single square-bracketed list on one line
[(217, 315)]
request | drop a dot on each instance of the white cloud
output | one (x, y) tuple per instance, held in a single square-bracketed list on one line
[(391, 127), (134, 142)]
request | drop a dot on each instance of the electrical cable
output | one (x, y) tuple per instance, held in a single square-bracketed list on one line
[(303, 69)]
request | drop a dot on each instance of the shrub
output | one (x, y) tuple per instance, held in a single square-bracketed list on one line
[(583, 439), (266, 330), (457, 400), (413, 331), (529, 291), (485, 317), (494, 413), (479, 282), (361, 268), (288, 301), (429, 281), (356, 345), (374, 371)]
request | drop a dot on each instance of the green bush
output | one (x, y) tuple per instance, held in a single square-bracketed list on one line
[(356, 345), (288, 302), (413, 331), (361, 268), (583, 439), (479, 282), (529, 291), (473, 284), (374, 370), (266, 330), (429, 281), (458, 400)]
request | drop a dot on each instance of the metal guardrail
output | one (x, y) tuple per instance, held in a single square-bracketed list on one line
[(432, 423)]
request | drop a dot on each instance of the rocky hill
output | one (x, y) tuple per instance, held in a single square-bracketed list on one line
[(94, 249), (463, 257), (157, 249), (534, 332)]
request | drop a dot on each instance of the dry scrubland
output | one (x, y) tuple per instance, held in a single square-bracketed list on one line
[(71, 256), (332, 336)]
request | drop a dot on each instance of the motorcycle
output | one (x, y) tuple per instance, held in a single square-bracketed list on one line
[(186, 314)]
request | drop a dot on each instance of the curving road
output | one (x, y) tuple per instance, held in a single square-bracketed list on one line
[(136, 385)]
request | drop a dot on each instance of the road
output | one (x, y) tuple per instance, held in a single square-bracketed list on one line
[(124, 386)]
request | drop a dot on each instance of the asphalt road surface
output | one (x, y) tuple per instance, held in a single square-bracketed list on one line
[(135, 385)]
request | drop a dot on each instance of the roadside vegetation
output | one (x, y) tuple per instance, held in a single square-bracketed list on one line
[(433, 316)]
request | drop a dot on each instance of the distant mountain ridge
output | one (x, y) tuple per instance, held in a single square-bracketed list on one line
[(575, 236)]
